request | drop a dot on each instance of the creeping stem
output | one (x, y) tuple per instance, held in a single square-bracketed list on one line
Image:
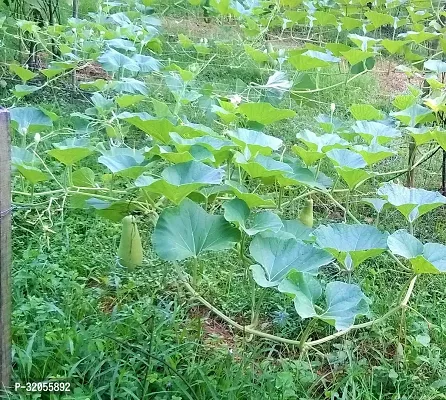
[(301, 343)]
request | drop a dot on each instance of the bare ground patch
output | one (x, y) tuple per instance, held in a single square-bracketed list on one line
[(391, 81)]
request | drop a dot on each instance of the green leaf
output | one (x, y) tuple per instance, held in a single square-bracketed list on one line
[(253, 200), (345, 302), (114, 61), (349, 23), (413, 115), (83, 177), (127, 100), (23, 90), (277, 256), (351, 244), (365, 112), (355, 56), (394, 46), (296, 229), (411, 202), (379, 19), (256, 142), (146, 64), (257, 55), (31, 174), (421, 135), (425, 259), (305, 63), (29, 119), (403, 244), (178, 181), (377, 204), (158, 128), (184, 41), (237, 211), (189, 231), (375, 131), (71, 150), (123, 161), (23, 73), (305, 290), (262, 166), (264, 113), (220, 147), (348, 165), (373, 153), (321, 143)]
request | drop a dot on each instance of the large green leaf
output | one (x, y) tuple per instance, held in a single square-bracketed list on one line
[(123, 161), (253, 200), (195, 152), (365, 112), (295, 228), (277, 256), (345, 302), (256, 142), (414, 115), (114, 61), (262, 166), (29, 119), (31, 173), (375, 131), (71, 150), (351, 244), (411, 202), (189, 231), (178, 181), (377, 204), (264, 113), (237, 211), (425, 259), (373, 153), (348, 165), (305, 290), (218, 146), (158, 128), (321, 143)]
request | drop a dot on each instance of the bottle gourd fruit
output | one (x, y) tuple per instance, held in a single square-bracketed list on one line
[(130, 248), (306, 215)]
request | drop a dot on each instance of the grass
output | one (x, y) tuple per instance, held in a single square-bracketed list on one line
[(118, 334)]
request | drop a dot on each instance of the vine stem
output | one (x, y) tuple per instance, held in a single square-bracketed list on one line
[(249, 329)]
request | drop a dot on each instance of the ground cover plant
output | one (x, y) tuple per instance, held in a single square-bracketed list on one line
[(235, 208)]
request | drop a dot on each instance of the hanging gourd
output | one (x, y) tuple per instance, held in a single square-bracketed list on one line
[(306, 215), (130, 248)]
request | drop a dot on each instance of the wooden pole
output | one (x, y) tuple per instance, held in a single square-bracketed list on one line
[(5, 251)]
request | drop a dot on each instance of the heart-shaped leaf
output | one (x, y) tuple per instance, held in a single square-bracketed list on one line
[(29, 119), (125, 162), (411, 202), (178, 181), (277, 256), (71, 150), (264, 113), (425, 259), (378, 132), (305, 289), (114, 61), (253, 200), (256, 142), (237, 211), (189, 231), (345, 302), (351, 244), (348, 165)]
